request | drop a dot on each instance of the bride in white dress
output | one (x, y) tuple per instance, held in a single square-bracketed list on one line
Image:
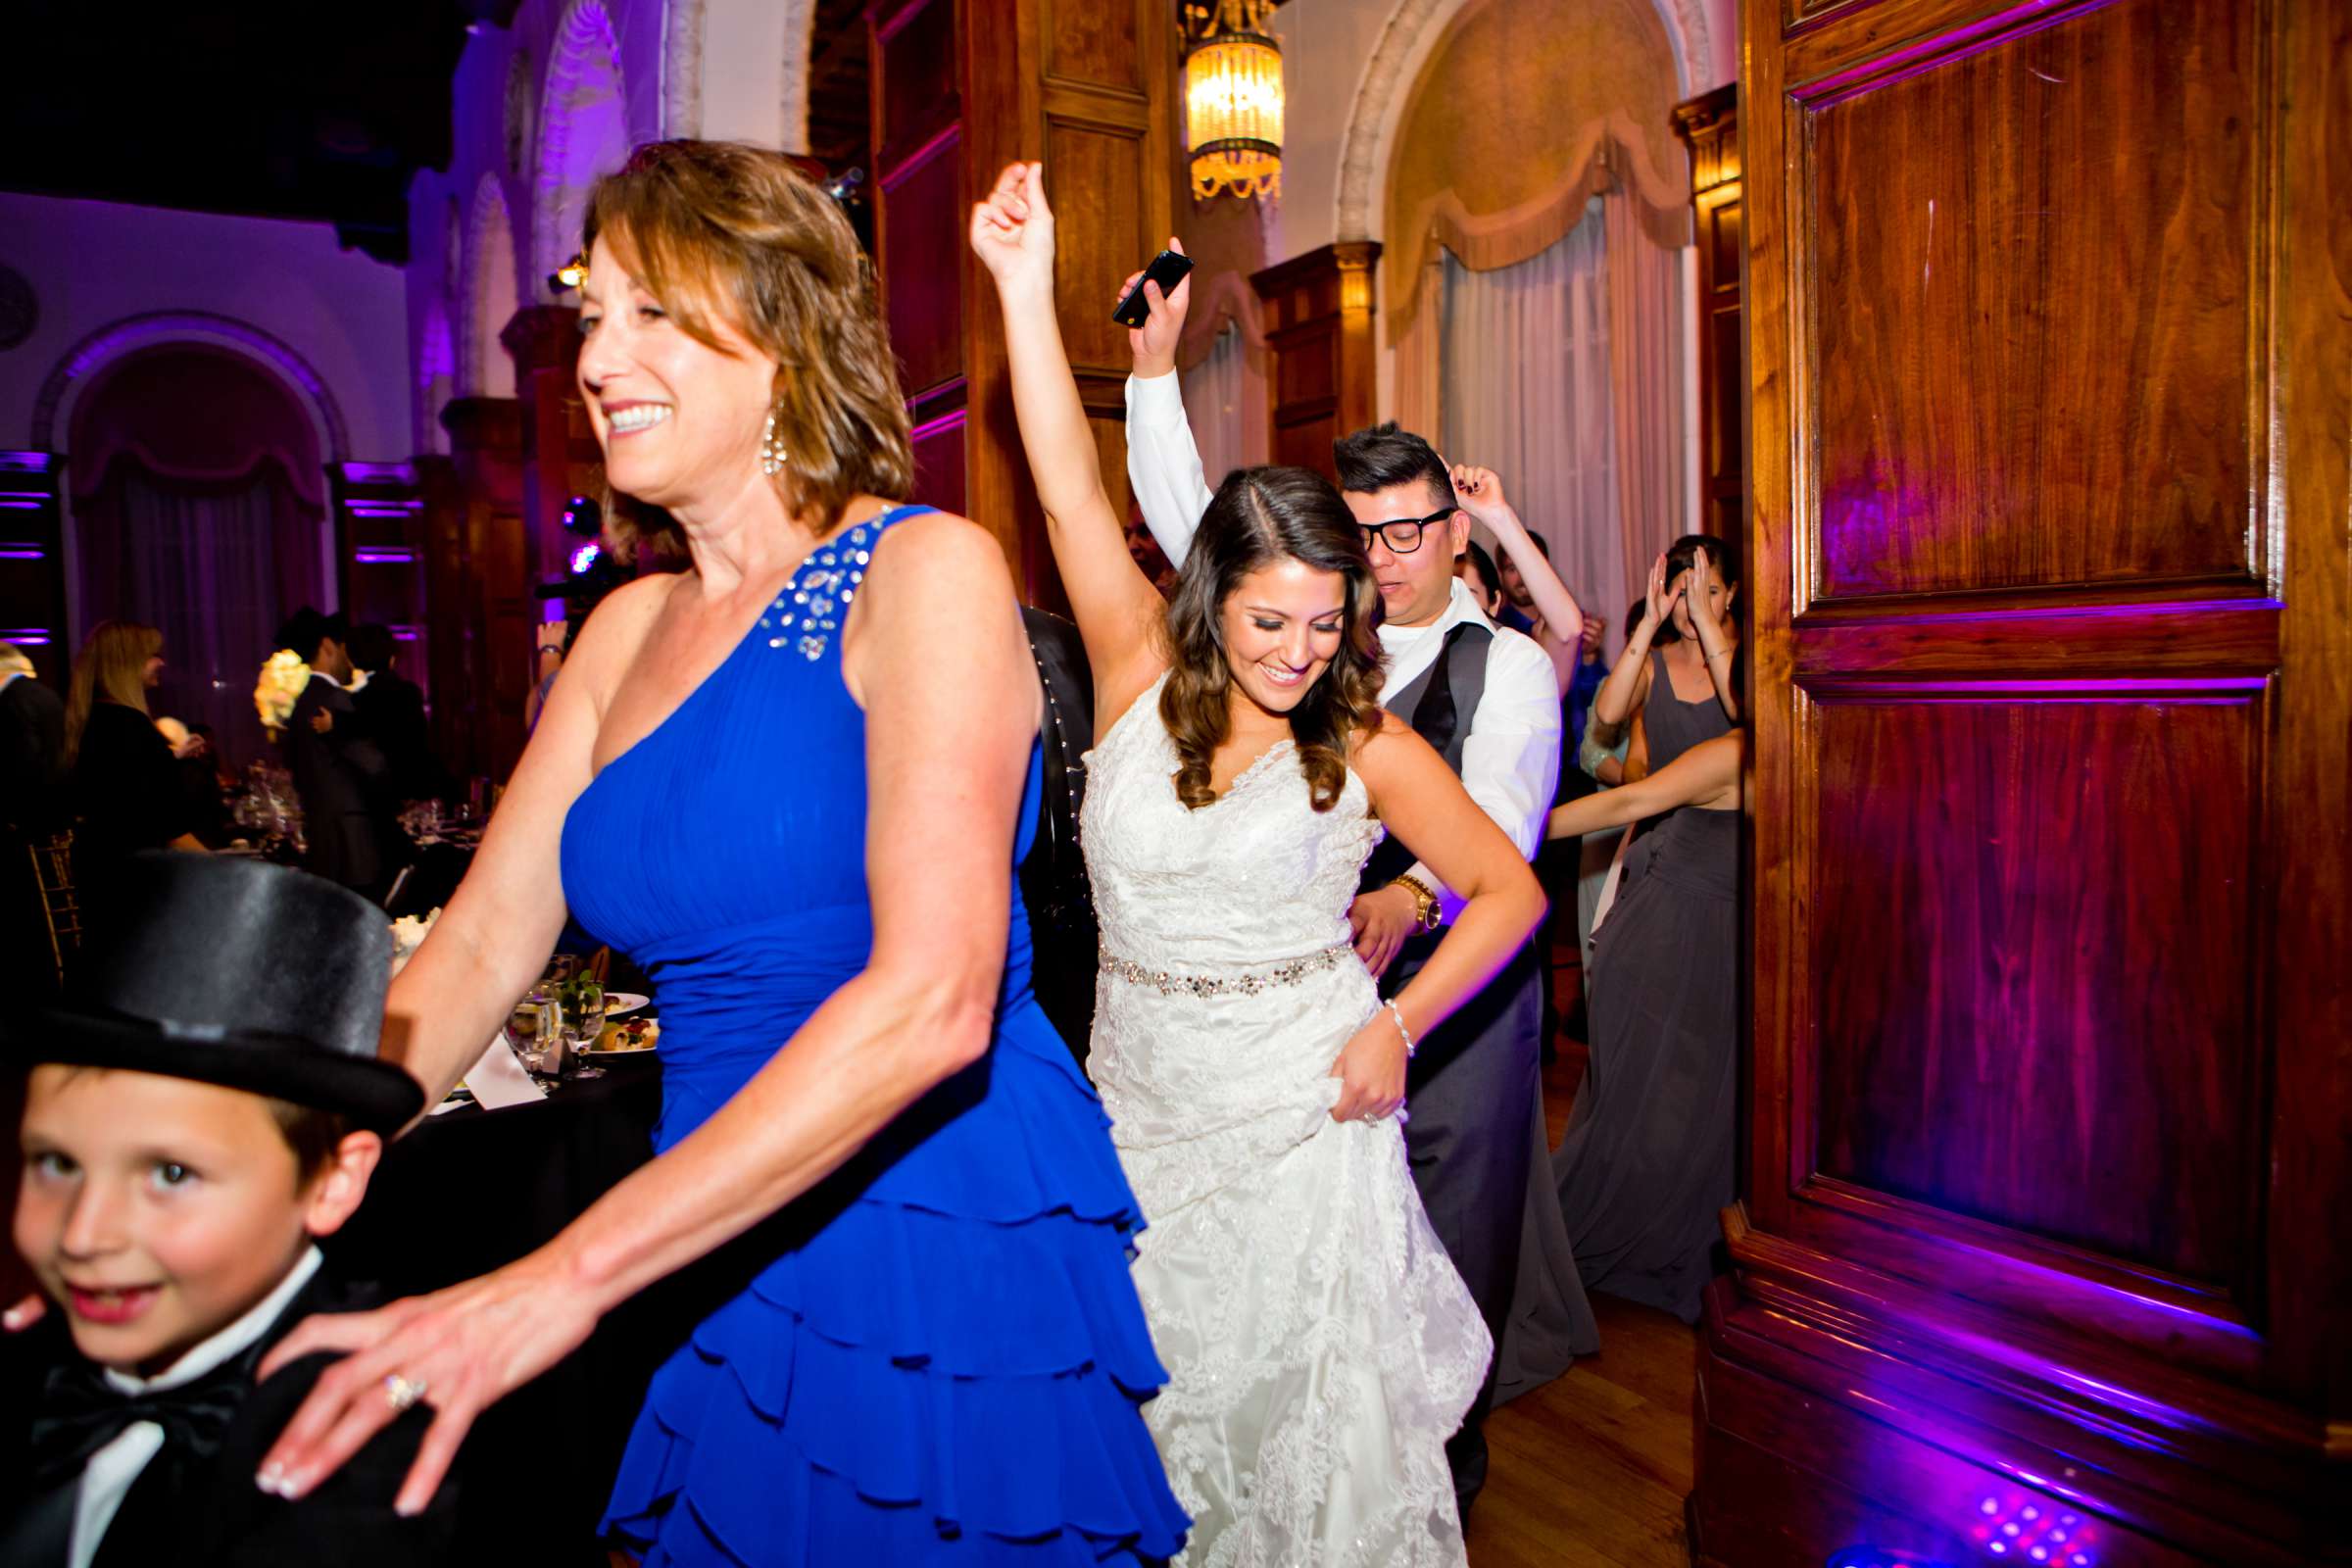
[(1319, 1345)]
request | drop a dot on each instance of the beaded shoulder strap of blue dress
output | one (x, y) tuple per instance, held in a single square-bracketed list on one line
[(809, 607)]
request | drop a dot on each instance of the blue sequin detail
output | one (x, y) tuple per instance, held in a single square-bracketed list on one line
[(820, 592)]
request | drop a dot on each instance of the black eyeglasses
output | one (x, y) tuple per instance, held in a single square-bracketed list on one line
[(1402, 535)]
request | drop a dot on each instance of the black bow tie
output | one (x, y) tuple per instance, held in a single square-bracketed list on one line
[(81, 1412)]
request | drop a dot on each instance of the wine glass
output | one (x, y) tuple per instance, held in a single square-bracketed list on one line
[(532, 1028), (583, 1023)]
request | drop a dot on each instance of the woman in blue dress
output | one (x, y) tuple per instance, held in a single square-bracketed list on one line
[(787, 781)]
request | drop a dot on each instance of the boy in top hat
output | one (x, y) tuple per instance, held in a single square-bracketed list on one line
[(205, 1104)]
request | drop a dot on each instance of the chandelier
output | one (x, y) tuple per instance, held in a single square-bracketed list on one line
[(1231, 98)]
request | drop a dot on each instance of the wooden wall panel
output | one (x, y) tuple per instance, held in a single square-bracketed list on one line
[(2050, 804), (922, 283), (1097, 241), (2049, 1035), (1087, 40), (961, 90), (1319, 329), (1965, 291), (33, 562), (939, 464)]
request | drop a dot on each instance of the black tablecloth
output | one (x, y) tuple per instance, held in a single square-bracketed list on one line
[(470, 1190)]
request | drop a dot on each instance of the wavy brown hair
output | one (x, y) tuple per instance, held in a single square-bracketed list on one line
[(723, 232), (112, 667), (1259, 516)]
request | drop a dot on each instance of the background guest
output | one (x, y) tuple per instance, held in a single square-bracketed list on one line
[(392, 707), (198, 774), (32, 747), (125, 786), (1144, 550), (1685, 633), (1535, 601), (338, 768), (32, 767), (1476, 569)]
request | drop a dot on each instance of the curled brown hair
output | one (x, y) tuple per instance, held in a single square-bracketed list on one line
[(1259, 516), (720, 230)]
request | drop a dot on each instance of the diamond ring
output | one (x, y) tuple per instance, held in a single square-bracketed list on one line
[(401, 1393)]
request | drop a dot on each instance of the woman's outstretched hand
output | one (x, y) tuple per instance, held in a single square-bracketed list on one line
[(1013, 230), (463, 1350)]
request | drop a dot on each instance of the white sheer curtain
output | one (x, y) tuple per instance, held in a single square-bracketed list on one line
[(1525, 389), (1213, 396)]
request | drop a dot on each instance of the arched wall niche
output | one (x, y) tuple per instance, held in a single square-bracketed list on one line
[(1414, 31), (75, 372), (583, 134), (491, 294), (1479, 184)]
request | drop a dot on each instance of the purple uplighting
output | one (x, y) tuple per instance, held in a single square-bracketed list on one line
[(384, 558), (25, 636), (22, 552), (2015, 1526)]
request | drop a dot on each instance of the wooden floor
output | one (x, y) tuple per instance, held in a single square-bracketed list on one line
[(1592, 1468)]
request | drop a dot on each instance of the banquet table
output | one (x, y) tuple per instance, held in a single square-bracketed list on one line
[(469, 1190)]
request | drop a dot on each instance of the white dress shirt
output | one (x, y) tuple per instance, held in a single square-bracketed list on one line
[(1511, 756), (107, 1477)]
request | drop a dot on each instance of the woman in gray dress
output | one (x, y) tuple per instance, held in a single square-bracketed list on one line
[(1647, 1163)]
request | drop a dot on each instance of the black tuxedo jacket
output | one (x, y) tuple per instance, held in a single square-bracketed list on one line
[(393, 709), (205, 1513), (33, 757), (338, 775)]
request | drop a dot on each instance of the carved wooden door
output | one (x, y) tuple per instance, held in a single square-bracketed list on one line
[(2042, 1256)]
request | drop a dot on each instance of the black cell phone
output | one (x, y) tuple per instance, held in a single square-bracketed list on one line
[(1167, 270)]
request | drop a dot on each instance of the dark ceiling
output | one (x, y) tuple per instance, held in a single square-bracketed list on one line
[(308, 108), (302, 109)]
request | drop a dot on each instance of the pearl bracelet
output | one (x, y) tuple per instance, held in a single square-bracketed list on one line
[(1397, 1014)]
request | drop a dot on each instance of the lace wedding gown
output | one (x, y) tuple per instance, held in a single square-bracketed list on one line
[(1320, 1346)]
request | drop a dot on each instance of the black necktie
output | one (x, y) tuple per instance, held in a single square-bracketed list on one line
[(1433, 719)]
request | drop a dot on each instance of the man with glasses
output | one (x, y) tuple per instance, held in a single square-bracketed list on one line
[(1488, 700)]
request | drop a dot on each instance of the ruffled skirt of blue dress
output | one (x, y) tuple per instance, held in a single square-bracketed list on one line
[(946, 1370)]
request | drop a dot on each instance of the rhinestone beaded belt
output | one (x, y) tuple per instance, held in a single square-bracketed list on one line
[(1247, 983)]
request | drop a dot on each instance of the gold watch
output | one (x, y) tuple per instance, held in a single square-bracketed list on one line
[(1428, 912)]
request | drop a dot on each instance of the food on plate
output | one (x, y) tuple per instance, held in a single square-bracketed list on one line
[(629, 1034)]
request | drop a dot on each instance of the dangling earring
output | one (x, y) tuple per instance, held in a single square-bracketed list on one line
[(772, 455)]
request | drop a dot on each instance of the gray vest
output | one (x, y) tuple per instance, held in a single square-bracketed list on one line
[(1462, 664)]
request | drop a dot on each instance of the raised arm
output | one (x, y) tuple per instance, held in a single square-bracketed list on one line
[(1714, 641), (1116, 608), (1480, 492), (934, 653), (1627, 685), (1163, 464), (1706, 775)]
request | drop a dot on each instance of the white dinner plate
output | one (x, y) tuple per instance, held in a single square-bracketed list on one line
[(617, 1003)]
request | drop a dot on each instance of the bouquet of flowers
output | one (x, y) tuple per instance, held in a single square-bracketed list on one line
[(280, 688), (407, 935)]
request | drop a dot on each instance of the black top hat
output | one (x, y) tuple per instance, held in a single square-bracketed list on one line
[(233, 972)]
